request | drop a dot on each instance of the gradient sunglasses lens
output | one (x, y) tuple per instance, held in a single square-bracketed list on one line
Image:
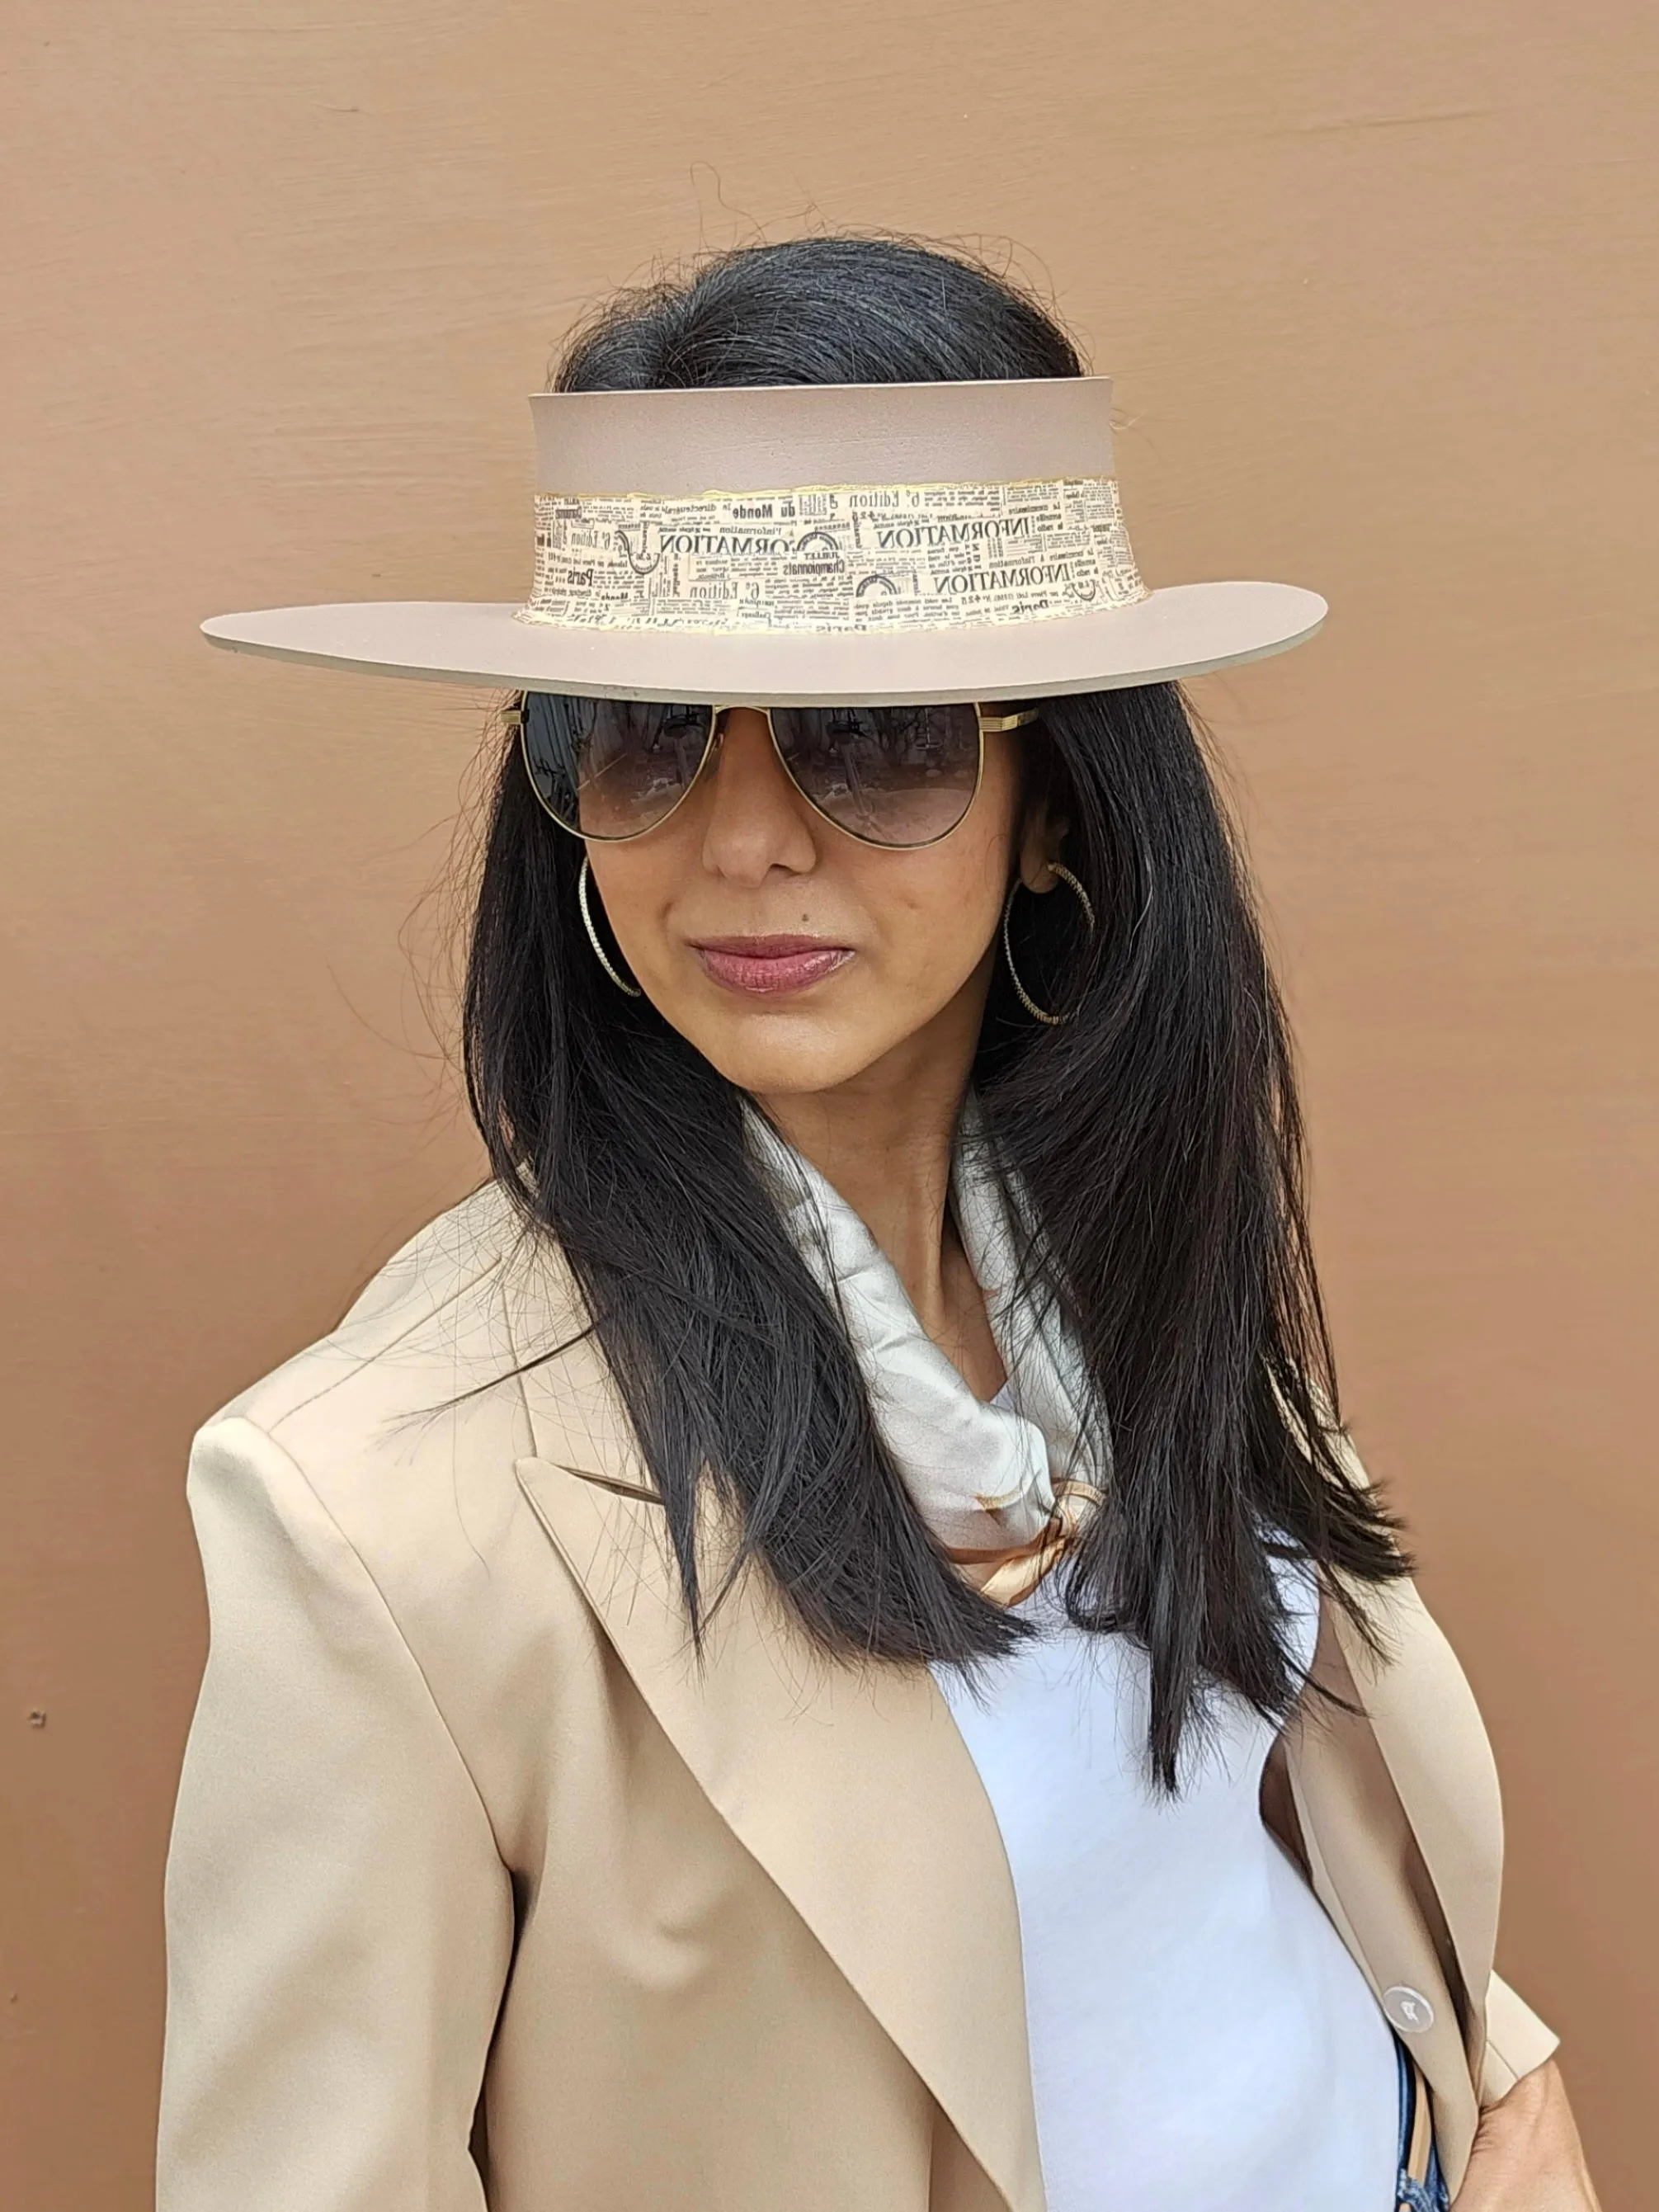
[(892, 776), (611, 768)]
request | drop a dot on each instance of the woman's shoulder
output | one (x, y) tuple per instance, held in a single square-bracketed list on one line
[(360, 1509), (415, 1400), (428, 1308)]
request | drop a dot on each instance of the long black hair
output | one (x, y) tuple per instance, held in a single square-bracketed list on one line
[(1156, 1132)]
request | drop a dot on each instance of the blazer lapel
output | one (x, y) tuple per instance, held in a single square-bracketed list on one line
[(850, 1786)]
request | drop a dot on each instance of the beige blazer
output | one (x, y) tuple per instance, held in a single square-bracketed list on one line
[(481, 1892)]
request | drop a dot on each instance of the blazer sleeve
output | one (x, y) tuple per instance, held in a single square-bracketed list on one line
[(1517, 2041), (339, 1923)]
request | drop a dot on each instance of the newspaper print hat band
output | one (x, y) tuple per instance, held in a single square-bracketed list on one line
[(834, 558), (840, 544)]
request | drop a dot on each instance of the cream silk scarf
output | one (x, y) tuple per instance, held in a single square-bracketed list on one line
[(1004, 1489)]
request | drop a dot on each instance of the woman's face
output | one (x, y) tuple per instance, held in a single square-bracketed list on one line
[(794, 957)]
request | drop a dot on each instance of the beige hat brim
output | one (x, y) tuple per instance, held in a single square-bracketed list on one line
[(1183, 630)]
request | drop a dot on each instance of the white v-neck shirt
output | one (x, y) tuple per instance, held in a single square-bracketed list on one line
[(1201, 2041)]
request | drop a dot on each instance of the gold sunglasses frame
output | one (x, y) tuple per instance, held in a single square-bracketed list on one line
[(992, 724)]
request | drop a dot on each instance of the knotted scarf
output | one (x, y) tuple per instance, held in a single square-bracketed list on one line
[(1004, 1487)]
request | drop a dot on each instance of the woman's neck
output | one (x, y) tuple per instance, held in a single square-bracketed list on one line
[(884, 1144)]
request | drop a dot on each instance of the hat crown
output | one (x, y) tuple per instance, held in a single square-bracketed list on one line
[(736, 438)]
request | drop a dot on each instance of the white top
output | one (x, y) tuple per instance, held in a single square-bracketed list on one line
[(1201, 2041)]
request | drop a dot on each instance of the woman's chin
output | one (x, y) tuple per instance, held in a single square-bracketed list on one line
[(787, 1074), (780, 1054)]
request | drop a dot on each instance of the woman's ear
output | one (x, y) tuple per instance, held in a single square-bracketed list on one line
[(1042, 841)]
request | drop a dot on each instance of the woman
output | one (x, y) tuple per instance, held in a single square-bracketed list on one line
[(819, 1642)]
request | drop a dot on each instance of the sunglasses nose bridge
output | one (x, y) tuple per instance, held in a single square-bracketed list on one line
[(716, 739)]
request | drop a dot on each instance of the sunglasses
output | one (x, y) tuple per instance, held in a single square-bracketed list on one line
[(899, 776)]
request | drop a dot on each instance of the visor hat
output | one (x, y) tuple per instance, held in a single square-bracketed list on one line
[(815, 545)]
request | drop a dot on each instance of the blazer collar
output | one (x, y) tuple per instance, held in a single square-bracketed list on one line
[(849, 1786)]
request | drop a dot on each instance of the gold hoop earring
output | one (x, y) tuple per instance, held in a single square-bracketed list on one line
[(599, 952), (1041, 1013)]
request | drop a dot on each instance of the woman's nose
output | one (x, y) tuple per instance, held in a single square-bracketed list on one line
[(754, 821)]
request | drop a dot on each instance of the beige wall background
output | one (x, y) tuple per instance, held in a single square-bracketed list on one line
[(1377, 281)]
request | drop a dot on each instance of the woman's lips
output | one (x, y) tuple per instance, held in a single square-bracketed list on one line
[(762, 966)]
